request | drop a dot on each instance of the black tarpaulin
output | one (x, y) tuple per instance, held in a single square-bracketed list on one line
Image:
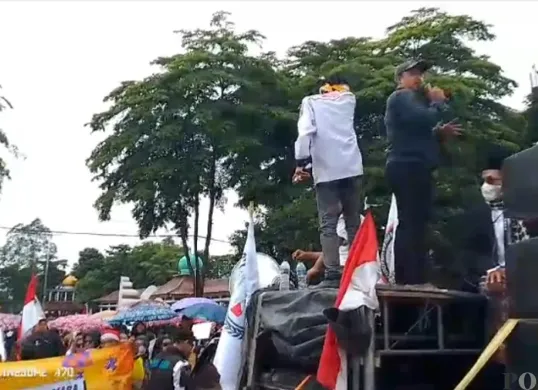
[(292, 326)]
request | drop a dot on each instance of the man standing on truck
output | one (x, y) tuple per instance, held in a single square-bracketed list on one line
[(327, 144), (414, 132)]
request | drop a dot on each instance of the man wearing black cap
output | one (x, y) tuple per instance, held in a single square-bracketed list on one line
[(482, 232), (480, 237), (414, 131)]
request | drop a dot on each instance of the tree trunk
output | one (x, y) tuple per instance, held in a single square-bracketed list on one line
[(212, 189), (184, 235), (198, 286)]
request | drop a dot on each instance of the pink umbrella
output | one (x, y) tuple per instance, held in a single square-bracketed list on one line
[(9, 321), (77, 322)]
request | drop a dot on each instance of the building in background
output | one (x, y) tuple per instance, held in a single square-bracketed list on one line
[(60, 300)]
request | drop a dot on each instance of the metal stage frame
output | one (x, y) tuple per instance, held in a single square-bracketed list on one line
[(383, 343), (433, 300)]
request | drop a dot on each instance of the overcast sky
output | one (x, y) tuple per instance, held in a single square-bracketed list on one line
[(59, 59)]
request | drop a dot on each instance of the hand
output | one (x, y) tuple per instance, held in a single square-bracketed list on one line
[(299, 254), (313, 274), (300, 175), (436, 94), (450, 129), (496, 281)]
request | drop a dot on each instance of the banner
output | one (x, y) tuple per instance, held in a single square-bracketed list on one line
[(98, 369)]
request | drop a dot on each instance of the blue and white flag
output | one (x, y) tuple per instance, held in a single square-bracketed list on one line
[(387, 250), (228, 357)]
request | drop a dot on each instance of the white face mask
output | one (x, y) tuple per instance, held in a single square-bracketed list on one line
[(491, 192)]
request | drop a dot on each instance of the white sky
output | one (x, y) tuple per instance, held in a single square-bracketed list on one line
[(59, 59)]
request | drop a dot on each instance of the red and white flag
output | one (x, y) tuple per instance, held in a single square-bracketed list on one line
[(357, 288), (32, 312)]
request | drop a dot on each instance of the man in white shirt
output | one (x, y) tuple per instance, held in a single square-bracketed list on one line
[(327, 143)]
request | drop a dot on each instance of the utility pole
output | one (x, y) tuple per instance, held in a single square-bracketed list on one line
[(47, 261), (534, 78)]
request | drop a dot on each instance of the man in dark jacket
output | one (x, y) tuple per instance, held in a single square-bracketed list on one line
[(170, 369), (412, 120), (480, 238), (42, 343), (481, 232)]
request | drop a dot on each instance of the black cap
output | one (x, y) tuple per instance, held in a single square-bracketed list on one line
[(420, 65), (496, 157)]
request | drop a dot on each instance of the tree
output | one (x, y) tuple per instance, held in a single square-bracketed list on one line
[(4, 171), (88, 259), (220, 267), (146, 264), (176, 133), (28, 249), (475, 85)]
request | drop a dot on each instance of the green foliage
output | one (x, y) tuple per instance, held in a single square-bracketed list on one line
[(146, 264), (220, 267), (175, 134), (4, 171), (27, 250), (216, 118)]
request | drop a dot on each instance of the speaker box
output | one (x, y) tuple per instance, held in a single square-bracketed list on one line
[(520, 184), (522, 357), (522, 278)]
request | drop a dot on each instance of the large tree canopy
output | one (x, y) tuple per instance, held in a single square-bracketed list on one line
[(217, 117), (28, 249), (175, 134)]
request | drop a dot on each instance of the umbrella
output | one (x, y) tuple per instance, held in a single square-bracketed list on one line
[(203, 311), (147, 312), (105, 314), (77, 322), (187, 302), (9, 321)]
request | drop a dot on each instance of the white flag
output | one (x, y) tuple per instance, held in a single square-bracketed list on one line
[(387, 250), (228, 357)]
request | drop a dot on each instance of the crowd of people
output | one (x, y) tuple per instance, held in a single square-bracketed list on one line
[(167, 358)]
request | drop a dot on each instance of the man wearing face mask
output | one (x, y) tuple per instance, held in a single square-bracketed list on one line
[(414, 130), (483, 232), (481, 235)]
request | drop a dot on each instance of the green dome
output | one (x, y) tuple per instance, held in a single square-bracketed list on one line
[(183, 267)]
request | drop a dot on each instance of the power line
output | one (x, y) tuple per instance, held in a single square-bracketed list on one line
[(94, 234)]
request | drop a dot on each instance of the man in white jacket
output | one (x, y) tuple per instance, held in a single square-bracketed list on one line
[(327, 144)]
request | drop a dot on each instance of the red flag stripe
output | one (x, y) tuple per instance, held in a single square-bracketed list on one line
[(364, 250)]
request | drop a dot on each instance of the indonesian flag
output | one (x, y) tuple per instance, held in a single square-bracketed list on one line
[(32, 312), (357, 288)]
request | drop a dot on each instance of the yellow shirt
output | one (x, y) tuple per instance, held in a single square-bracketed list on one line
[(138, 370)]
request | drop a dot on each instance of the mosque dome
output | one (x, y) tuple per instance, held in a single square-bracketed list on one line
[(183, 266), (69, 281)]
